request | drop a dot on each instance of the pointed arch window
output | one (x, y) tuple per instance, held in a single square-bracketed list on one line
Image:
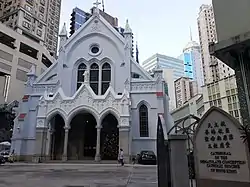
[(94, 78), (106, 77), (80, 77), (143, 115)]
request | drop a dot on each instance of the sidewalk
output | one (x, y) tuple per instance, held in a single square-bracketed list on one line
[(72, 164)]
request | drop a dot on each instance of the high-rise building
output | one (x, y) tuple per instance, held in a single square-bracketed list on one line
[(78, 17), (223, 94), (213, 69), (185, 89), (1, 7), (192, 63), (17, 55), (172, 69), (159, 61), (38, 20)]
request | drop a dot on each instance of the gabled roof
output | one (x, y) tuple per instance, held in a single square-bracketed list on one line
[(47, 73), (138, 69), (94, 16)]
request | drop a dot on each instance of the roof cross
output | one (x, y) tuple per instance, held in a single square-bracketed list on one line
[(97, 3)]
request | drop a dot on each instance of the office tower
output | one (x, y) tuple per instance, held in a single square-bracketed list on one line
[(213, 69), (159, 61), (37, 20), (185, 89), (79, 17), (173, 69), (192, 62)]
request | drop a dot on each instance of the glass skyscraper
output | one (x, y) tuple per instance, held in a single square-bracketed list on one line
[(78, 17), (192, 63)]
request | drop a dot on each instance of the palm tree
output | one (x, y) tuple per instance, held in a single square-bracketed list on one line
[(245, 134)]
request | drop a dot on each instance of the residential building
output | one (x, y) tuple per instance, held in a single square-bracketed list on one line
[(185, 89), (17, 55), (223, 94), (97, 104), (192, 63), (213, 69), (37, 20)]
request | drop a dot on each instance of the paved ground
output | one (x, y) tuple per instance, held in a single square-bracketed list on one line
[(77, 175)]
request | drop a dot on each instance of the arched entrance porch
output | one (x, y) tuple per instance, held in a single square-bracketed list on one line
[(57, 134), (82, 137), (109, 138)]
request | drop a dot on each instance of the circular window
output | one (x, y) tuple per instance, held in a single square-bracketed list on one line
[(95, 49)]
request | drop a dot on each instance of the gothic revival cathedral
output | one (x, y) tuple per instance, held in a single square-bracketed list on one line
[(94, 100)]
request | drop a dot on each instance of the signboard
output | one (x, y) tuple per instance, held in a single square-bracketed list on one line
[(219, 150)]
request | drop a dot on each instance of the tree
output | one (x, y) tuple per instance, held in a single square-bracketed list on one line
[(245, 134), (6, 123)]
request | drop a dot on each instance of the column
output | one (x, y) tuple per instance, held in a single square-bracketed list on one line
[(49, 143), (98, 144), (65, 148)]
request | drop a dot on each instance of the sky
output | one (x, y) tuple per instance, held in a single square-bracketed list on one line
[(159, 26)]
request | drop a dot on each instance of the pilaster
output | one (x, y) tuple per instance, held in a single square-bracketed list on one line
[(124, 142), (40, 145)]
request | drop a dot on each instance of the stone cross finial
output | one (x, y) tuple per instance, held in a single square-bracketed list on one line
[(97, 3)]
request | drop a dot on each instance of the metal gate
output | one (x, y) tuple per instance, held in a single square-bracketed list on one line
[(163, 152)]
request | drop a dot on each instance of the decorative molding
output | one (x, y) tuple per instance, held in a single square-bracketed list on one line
[(40, 123), (85, 98), (143, 86), (96, 26)]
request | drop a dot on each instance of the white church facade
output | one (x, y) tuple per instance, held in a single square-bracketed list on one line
[(88, 104)]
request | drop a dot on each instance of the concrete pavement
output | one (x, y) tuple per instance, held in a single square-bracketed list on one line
[(77, 175)]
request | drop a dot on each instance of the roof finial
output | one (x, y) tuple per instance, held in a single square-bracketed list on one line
[(127, 27), (63, 31), (97, 3), (191, 36)]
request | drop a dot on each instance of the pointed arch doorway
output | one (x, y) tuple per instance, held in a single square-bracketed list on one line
[(82, 137), (109, 138), (57, 137)]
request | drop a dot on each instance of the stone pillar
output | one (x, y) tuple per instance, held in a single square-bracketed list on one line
[(98, 144), (40, 146), (65, 146), (49, 144), (178, 159), (124, 142)]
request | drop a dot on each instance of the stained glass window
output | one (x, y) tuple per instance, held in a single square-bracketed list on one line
[(143, 115)]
